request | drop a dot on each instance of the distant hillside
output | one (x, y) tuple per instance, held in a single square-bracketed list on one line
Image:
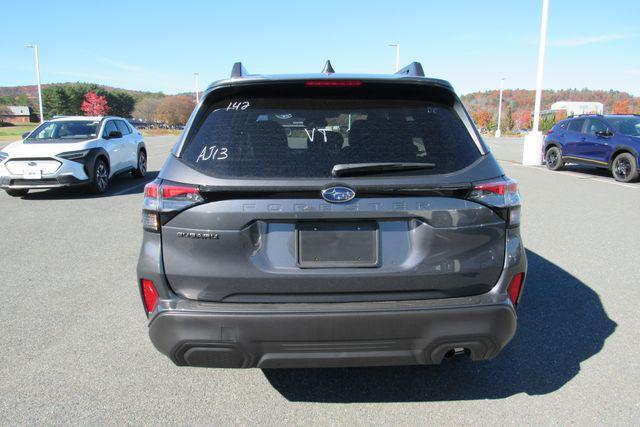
[(518, 104), (31, 92)]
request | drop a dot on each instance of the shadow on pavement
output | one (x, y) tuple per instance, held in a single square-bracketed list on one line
[(119, 186), (561, 323)]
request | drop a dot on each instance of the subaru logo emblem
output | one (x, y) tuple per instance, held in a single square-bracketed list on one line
[(338, 194), (32, 164)]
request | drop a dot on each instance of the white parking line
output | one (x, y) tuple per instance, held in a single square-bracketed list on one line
[(577, 175), (118, 193)]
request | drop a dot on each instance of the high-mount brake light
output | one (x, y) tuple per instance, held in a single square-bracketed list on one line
[(166, 198), (333, 83), (502, 195)]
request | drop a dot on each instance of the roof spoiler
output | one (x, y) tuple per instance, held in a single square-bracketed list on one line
[(414, 69), (238, 71)]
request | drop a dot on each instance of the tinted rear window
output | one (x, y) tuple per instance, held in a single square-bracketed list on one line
[(271, 138), (576, 125)]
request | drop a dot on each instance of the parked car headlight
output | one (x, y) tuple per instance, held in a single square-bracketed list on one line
[(76, 156)]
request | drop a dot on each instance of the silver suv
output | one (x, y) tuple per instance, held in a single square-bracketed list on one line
[(330, 220)]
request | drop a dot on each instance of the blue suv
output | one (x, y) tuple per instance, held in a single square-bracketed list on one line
[(609, 141)]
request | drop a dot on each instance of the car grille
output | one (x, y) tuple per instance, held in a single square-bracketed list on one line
[(18, 166)]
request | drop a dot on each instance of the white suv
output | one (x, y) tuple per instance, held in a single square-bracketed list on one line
[(71, 151)]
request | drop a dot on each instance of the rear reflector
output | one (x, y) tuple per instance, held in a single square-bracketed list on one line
[(515, 287), (149, 295), (333, 83)]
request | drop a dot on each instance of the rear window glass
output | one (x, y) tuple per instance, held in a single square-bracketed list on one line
[(266, 137), (576, 125)]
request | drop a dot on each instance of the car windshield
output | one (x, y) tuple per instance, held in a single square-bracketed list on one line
[(306, 138), (626, 125), (64, 130)]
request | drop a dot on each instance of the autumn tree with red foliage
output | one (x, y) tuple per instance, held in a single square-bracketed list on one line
[(523, 119), (95, 105), (482, 118), (623, 107)]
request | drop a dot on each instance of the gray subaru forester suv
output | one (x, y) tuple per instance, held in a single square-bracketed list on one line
[(330, 220)]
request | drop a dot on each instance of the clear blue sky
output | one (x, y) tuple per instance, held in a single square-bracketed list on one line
[(158, 45)]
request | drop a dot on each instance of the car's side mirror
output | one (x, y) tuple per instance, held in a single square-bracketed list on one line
[(26, 134), (114, 134), (604, 133)]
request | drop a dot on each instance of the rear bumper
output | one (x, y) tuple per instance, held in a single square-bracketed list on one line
[(332, 334)]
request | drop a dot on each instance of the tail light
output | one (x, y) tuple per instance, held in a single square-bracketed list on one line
[(149, 295), (162, 200), (502, 195), (515, 288), (550, 131)]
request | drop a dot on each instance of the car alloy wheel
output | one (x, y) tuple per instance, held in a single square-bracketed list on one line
[(552, 158), (142, 164), (102, 177), (622, 168)]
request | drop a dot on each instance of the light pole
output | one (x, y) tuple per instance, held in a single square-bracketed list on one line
[(532, 151), (498, 131), (197, 89), (35, 50), (397, 46)]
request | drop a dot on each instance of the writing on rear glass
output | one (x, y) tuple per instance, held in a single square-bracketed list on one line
[(238, 105), (212, 153)]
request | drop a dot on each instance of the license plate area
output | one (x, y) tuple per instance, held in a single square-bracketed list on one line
[(332, 244), (32, 173)]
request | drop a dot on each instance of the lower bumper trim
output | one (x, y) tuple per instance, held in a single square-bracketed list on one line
[(335, 339)]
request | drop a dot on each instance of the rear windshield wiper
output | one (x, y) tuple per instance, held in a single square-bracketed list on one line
[(353, 169)]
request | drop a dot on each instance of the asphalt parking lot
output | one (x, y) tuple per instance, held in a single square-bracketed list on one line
[(74, 347)]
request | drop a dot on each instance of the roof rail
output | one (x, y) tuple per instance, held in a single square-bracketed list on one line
[(414, 69), (238, 71)]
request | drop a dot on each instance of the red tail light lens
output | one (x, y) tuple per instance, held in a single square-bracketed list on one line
[(550, 131), (515, 288), (162, 197), (502, 195), (333, 83), (149, 295)]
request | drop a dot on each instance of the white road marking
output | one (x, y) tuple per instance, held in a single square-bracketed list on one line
[(118, 193), (577, 175)]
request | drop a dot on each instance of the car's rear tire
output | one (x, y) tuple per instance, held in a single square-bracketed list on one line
[(624, 168), (141, 170), (17, 193), (100, 178), (553, 158)]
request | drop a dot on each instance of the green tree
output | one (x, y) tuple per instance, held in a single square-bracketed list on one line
[(547, 123), (121, 103), (56, 101), (508, 122)]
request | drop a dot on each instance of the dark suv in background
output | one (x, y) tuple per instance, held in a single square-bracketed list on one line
[(330, 220), (610, 142)]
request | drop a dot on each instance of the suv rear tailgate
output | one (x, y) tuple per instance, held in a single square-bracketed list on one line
[(428, 247)]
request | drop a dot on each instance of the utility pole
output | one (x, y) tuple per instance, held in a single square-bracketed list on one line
[(197, 88), (35, 49), (499, 130), (397, 46), (532, 152)]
